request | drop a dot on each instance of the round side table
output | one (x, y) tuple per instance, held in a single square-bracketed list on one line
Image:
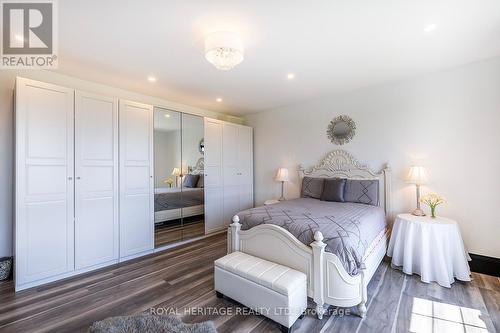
[(430, 247)]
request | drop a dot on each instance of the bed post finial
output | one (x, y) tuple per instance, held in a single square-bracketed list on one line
[(235, 234), (318, 248), (318, 236)]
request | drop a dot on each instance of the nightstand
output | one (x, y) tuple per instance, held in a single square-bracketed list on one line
[(430, 247), (271, 202)]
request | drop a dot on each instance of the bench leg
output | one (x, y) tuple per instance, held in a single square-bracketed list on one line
[(218, 294), (362, 309), (285, 329)]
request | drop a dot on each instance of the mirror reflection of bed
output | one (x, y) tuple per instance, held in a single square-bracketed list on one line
[(179, 177)]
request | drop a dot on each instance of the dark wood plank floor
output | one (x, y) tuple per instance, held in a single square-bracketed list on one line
[(171, 234), (181, 281)]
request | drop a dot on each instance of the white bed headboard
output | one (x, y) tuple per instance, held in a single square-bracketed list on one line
[(199, 168), (340, 163)]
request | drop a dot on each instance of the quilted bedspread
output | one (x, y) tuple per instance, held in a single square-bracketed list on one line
[(348, 228)]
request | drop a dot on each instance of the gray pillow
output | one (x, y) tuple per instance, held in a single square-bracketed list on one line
[(333, 190), (191, 180), (312, 187), (362, 191), (201, 182)]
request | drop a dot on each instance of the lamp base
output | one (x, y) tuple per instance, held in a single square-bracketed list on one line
[(418, 212)]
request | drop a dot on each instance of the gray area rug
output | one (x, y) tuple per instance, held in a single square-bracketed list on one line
[(146, 323)]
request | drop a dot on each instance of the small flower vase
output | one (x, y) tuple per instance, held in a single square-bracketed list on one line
[(433, 212)]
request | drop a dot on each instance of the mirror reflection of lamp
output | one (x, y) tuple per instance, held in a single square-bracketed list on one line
[(176, 172)]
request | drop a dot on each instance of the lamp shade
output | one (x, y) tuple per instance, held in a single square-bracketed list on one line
[(282, 175), (417, 175), (176, 172)]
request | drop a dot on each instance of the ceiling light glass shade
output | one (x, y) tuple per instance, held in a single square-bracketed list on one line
[(417, 175), (224, 50)]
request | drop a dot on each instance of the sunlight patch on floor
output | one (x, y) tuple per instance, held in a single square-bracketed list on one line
[(437, 317)]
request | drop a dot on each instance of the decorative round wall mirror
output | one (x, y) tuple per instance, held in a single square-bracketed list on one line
[(201, 146), (341, 130)]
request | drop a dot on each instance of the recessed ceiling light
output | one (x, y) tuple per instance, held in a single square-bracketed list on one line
[(167, 115), (290, 76), (430, 27), (151, 79), (219, 100)]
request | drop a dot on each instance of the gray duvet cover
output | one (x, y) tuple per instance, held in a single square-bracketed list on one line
[(348, 228), (179, 199)]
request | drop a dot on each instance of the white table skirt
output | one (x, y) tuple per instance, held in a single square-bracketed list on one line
[(431, 248)]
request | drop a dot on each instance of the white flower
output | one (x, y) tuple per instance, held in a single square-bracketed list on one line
[(432, 199)]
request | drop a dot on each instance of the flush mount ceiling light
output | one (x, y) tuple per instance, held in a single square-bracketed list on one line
[(224, 50)]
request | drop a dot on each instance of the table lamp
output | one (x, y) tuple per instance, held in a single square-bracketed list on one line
[(176, 172), (417, 176), (282, 176)]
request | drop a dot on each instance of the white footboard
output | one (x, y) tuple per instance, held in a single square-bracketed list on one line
[(327, 280)]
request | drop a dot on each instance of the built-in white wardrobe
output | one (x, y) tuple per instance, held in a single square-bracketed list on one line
[(67, 217), (84, 190), (228, 172)]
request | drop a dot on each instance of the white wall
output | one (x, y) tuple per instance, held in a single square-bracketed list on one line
[(167, 150), (448, 121), (192, 133), (7, 82)]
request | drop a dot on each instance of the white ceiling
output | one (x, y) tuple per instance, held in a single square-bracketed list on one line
[(330, 45)]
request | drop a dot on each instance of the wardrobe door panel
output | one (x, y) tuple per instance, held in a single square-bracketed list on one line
[(96, 187), (193, 161), (44, 224), (245, 167), (136, 178), (213, 176), (213, 157), (230, 171)]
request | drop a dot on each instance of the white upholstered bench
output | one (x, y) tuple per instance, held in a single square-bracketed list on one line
[(273, 290)]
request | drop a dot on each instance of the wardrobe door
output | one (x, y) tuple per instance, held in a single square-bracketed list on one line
[(245, 167), (193, 207), (213, 176), (96, 179), (167, 135), (44, 223), (230, 171), (136, 178)]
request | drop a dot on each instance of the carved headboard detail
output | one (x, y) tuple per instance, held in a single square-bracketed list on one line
[(199, 168), (340, 163)]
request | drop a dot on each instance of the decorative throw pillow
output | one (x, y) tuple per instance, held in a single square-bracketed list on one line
[(333, 190), (362, 191), (201, 182), (191, 180), (312, 187)]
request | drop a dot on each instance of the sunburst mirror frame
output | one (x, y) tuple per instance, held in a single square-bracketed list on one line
[(341, 139)]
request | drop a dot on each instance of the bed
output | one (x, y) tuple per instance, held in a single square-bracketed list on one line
[(304, 234), (172, 203)]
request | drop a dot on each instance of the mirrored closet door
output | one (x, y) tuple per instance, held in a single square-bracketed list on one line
[(179, 182)]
